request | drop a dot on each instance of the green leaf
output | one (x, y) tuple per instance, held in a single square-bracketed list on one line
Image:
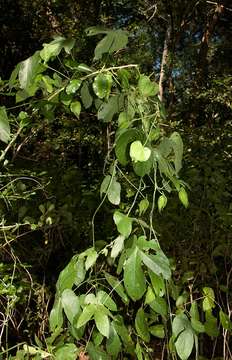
[(183, 196), (138, 152), (122, 143), (102, 322), (96, 30), (134, 278), (113, 41), (210, 324), (177, 144), (197, 325), (108, 109), (67, 277), (86, 97), (118, 246), (114, 192), (105, 299), (162, 202), (86, 315), (147, 87), (52, 49), (56, 316), (194, 312), (91, 258), (157, 282), (105, 185), (159, 305), (208, 302), (184, 344), (70, 303), (113, 344), (122, 331), (124, 120), (73, 86), (80, 271), (95, 352), (123, 223), (139, 351), (68, 45), (141, 325), (143, 168), (157, 331), (225, 320), (4, 125), (143, 206), (102, 85), (84, 68), (159, 263), (75, 107), (67, 352), (118, 287), (28, 71), (184, 336)]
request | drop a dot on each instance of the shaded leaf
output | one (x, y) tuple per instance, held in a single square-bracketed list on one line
[(86, 97), (117, 286), (141, 325), (113, 344), (56, 315), (108, 109), (134, 278)]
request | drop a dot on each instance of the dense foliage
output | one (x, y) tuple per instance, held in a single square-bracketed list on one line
[(121, 164)]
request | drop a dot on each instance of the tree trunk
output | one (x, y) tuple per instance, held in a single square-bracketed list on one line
[(207, 35), (164, 62)]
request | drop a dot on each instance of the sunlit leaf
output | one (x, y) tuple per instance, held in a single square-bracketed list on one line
[(117, 246), (73, 86), (162, 202), (67, 352), (102, 85), (106, 300), (138, 152), (70, 303), (123, 223), (86, 315), (147, 87), (75, 107), (91, 258), (4, 125), (183, 196), (102, 322)]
